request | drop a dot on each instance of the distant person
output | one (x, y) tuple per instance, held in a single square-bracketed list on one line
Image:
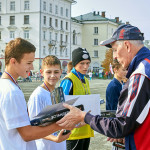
[(0, 73), (40, 98), (114, 88), (69, 67), (29, 76), (90, 75), (41, 76), (103, 73), (133, 111), (37, 76), (75, 83), (15, 128), (106, 74), (100, 73)]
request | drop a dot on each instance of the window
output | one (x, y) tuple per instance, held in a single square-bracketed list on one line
[(0, 35), (12, 20), (50, 51), (26, 19), (67, 13), (12, 5), (56, 9), (61, 25), (66, 52), (0, 20), (61, 11), (61, 38), (26, 5), (95, 30), (12, 34), (56, 23), (44, 50), (66, 38), (44, 35), (66, 25), (26, 34), (55, 50), (95, 53), (44, 20), (56, 36), (50, 22), (95, 41), (74, 37), (61, 52), (44, 6), (95, 69), (50, 8), (50, 36), (0, 6)]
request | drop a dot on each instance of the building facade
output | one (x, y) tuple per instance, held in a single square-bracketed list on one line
[(45, 23), (49, 26), (95, 28)]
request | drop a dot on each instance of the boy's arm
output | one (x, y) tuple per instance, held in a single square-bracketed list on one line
[(59, 138), (66, 84), (29, 133)]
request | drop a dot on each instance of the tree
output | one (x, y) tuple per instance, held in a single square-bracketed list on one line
[(108, 59)]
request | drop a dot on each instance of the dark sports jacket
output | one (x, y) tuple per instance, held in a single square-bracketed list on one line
[(133, 116)]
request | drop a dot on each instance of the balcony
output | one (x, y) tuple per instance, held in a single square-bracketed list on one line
[(63, 44), (51, 28), (52, 43)]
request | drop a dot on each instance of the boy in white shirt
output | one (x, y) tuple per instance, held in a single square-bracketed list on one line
[(15, 128), (41, 97)]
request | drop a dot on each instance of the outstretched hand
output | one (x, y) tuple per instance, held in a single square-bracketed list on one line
[(60, 137), (74, 117)]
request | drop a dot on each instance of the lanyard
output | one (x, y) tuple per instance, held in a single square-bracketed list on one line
[(13, 79), (86, 92), (46, 87)]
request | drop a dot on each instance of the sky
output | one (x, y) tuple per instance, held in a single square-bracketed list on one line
[(136, 12)]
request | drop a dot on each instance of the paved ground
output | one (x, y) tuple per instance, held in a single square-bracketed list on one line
[(97, 86)]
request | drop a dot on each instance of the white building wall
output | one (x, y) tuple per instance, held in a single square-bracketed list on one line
[(36, 26)]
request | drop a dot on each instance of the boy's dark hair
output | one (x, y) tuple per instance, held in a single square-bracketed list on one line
[(17, 48), (116, 64), (50, 60)]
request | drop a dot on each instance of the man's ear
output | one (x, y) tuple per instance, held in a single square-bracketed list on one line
[(127, 45)]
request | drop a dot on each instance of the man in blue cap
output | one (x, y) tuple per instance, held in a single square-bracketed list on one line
[(133, 116)]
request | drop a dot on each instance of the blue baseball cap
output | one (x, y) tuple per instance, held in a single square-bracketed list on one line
[(124, 32)]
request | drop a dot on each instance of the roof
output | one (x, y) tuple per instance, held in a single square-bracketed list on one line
[(92, 16)]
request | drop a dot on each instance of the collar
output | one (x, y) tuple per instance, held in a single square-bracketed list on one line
[(75, 72), (140, 56)]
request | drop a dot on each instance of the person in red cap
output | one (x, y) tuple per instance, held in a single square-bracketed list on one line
[(133, 111)]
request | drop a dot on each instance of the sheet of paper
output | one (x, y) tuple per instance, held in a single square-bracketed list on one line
[(90, 102)]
